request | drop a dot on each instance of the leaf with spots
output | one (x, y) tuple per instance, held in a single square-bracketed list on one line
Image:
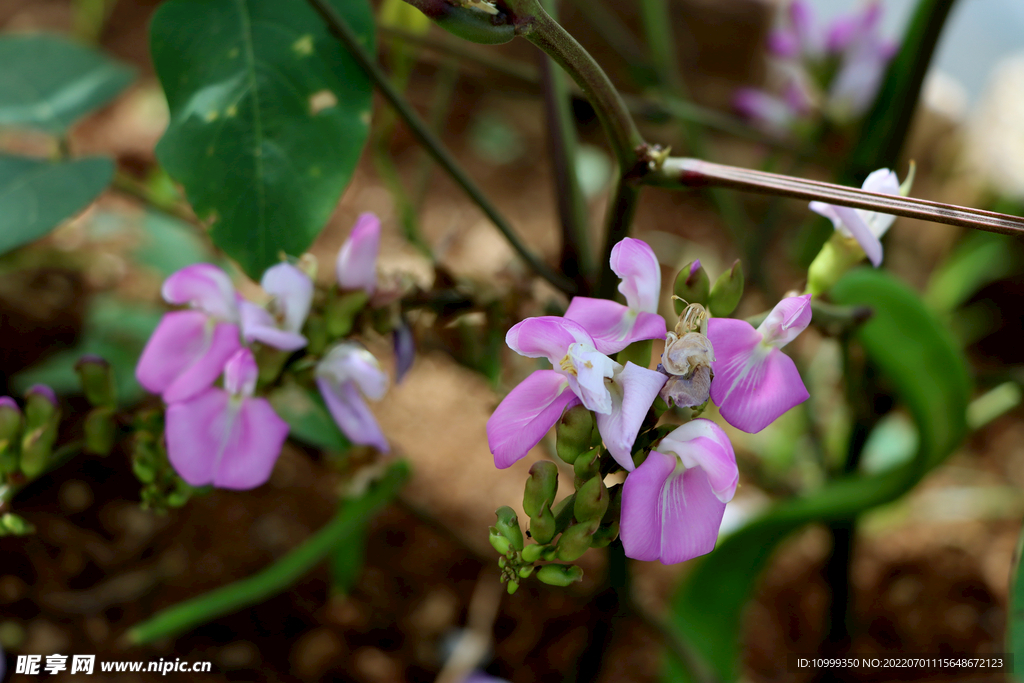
[(269, 115)]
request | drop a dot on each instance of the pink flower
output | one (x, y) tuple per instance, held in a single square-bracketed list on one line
[(613, 326), (280, 324), (754, 381), (865, 57), (188, 349), (225, 437), (619, 396), (867, 227), (672, 504), (344, 376), (357, 261)]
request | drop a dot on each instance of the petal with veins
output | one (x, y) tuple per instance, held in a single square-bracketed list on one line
[(526, 414)]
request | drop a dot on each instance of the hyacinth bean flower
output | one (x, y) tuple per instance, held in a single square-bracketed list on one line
[(613, 326), (867, 227), (346, 374), (356, 267), (865, 57), (226, 437), (280, 324), (189, 348), (754, 381), (620, 396), (673, 503)]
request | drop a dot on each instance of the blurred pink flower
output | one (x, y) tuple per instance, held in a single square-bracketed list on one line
[(280, 324), (356, 267), (344, 376)]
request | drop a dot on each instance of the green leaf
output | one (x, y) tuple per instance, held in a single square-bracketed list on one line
[(308, 418), (920, 360), (269, 114), (49, 83), (170, 244), (115, 331), (36, 195)]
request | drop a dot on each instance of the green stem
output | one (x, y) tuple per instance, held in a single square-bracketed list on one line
[(657, 22), (340, 28), (576, 259), (349, 519), (621, 209)]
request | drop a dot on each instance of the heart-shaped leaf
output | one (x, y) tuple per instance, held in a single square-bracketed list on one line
[(269, 114)]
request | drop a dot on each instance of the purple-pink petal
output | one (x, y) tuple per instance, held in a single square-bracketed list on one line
[(241, 373), (634, 261), (258, 325), (42, 390), (860, 231), (701, 443), (526, 414), (786, 321), (228, 442), (186, 353), (351, 413), (357, 261), (292, 290), (405, 350), (635, 389), (546, 337), (754, 384), (203, 286), (669, 513), (767, 110), (784, 43), (613, 326)]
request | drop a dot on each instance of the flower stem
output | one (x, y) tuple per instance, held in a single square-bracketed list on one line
[(341, 30), (349, 519)]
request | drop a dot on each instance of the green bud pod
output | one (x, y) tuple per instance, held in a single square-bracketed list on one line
[(542, 527), (560, 574), (472, 20), (525, 572), (605, 534), (508, 526), (42, 417), (512, 587), (502, 562), (587, 467), (100, 431), (342, 309), (499, 542), (10, 430), (97, 379), (541, 488), (838, 255), (399, 14), (573, 433), (14, 525), (692, 286), (535, 552), (575, 541), (591, 501), (726, 293)]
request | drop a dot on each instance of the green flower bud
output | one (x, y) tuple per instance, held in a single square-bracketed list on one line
[(42, 417), (542, 527), (10, 430), (525, 572), (499, 542), (100, 431), (609, 529), (726, 293), (540, 488), (575, 541), (502, 562), (512, 587), (574, 433), (838, 255), (535, 552), (591, 501), (692, 286), (13, 525), (587, 467), (472, 20), (315, 331), (560, 574), (508, 526), (342, 309), (97, 379)]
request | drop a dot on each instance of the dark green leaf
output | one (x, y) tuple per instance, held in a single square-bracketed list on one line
[(268, 117), (920, 360), (308, 418), (49, 83), (36, 195), (170, 244)]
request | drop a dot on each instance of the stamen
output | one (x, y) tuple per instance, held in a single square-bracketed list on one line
[(567, 366)]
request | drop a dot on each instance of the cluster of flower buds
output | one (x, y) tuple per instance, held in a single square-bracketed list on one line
[(228, 435), (835, 70), (609, 416)]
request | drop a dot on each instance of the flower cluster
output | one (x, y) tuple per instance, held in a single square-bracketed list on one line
[(679, 479), (227, 436), (835, 70)]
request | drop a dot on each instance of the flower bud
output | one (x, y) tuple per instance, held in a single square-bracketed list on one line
[(560, 574), (498, 542), (534, 552), (591, 501), (574, 433), (540, 488), (512, 587), (97, 379), (542, 526), (692, 286), (726, 293), (10, 429), (838, 255), (609, 529), (525, 572), (42, 417), (480, 22), (341, 311), (575, 540), (587, 467), (508, 526), (100, 430), (14, 525)]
